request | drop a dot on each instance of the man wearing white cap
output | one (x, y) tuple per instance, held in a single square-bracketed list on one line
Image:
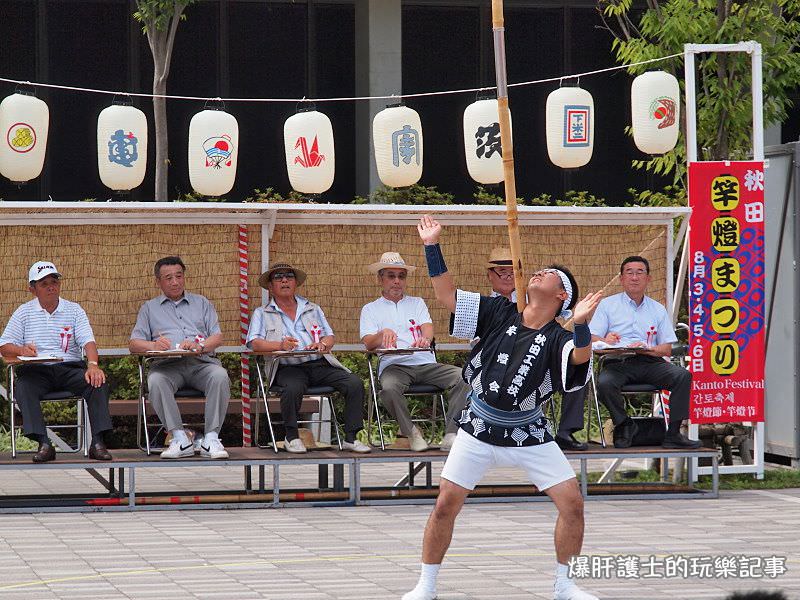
[(398, 321), (48, 326)]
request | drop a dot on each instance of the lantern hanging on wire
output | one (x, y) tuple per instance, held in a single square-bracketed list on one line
[(213, 152), (655, 112), (121, 146), (310, 158), (397, 138), (24, 123), (482, 146), (570, 127)]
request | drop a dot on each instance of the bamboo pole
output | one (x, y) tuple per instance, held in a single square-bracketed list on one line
[(498, 33)]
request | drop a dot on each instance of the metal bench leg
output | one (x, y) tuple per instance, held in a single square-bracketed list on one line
[(13, 416), (374, 389), (334, 421), (597, 409), (265, 398)]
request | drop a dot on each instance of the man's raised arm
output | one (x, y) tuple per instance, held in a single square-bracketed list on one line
[(443, 285)]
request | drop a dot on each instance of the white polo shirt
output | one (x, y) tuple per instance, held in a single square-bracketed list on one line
[(401, 317), (62, 333), (647, 322)]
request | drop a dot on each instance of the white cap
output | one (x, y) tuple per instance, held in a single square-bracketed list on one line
[(40, 270)]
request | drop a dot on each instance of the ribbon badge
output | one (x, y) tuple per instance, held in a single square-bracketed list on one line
[(651, 335), (416, 330), (316, 330), (65, 337), (199, 338)]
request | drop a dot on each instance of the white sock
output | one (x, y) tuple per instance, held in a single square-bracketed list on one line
[(211, 435), (562, 576), (427, 577), (180, 435)]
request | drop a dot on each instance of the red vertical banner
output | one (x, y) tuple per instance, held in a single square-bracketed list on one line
[(726, 291)]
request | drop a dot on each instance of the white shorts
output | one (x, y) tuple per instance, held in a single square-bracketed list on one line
[(470, 458)]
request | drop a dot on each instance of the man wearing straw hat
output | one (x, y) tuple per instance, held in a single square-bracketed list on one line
[(49, 326), (291, 322), (177, 319), (521, 359), (500, 272), (396, 320)]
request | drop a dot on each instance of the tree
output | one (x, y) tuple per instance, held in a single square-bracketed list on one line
[(160, 19), (724, 106)]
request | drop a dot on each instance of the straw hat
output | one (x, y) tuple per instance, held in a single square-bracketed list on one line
[(499, 257), (390, 260), (300, 276)]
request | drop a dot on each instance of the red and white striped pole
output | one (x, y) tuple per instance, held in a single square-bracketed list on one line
[(244, 319)]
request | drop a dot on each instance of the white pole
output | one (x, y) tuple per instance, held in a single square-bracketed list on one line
[(758, 102), (691, 108)]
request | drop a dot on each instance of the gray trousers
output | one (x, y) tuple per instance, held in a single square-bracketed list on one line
[(395, 380), (167, 377)]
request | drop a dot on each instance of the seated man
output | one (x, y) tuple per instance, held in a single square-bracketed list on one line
[(398, 321), (632, 319), (500, 272), (291, 322), (48, 325), (178, 319)]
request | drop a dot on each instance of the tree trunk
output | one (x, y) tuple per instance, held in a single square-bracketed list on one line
[(162, 142)]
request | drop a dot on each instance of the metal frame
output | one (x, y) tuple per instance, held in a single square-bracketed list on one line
[(322, 396), (754, 50), (413, 390), (81, 426)]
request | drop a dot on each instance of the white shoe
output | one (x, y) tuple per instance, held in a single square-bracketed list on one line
[(357, 446), (177, 449), (416, 441), (419, 594), (572, 592), (447, 442), (213, 449), (296, 446)]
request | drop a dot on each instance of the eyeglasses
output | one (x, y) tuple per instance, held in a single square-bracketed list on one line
[(505, 273), (631, 272), (284, 275), (394, 275)]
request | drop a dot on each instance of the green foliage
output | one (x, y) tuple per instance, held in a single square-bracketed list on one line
[(724, 104), (23, 444), (157, 14), (271, 195), (414, 194), (671, 195)]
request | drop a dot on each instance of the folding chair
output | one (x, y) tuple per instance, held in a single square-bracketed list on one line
[(319, 395), (142, 425), (416, 389), (81, 426)]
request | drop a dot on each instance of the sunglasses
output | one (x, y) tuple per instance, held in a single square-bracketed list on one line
[(284, 275)]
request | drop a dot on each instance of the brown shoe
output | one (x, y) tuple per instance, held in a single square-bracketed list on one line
[(99, 451), (45, 453)]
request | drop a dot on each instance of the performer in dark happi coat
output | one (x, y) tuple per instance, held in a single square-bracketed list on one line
[(520, 360)]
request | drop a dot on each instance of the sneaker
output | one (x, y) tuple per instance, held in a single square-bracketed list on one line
[(357, 446), (213, 449), (296, 446), (416, 441), (419, 594), (572, 592), (447, 442), (177, 449)]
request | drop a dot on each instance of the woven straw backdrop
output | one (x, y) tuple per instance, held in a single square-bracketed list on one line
[(109, 269)]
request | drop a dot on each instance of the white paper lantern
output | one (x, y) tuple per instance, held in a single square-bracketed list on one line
[(655, 111), (121, 147), (570, 127), (397, 137), (482, 141), (213, 152), (310, 158), (24, 121)]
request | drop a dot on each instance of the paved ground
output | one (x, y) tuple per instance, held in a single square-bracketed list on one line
[(500, 551)]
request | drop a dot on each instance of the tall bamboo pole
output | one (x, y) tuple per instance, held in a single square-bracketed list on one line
[(498, 33)]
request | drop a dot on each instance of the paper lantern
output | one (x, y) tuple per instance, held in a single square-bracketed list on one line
[(24, 121), (397, 137), (310, 159), (213, 152), (482, 141), (570, 127), (121, 147), (655, 111)]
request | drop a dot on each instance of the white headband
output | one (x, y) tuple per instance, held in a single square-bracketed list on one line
[(565, 312)]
